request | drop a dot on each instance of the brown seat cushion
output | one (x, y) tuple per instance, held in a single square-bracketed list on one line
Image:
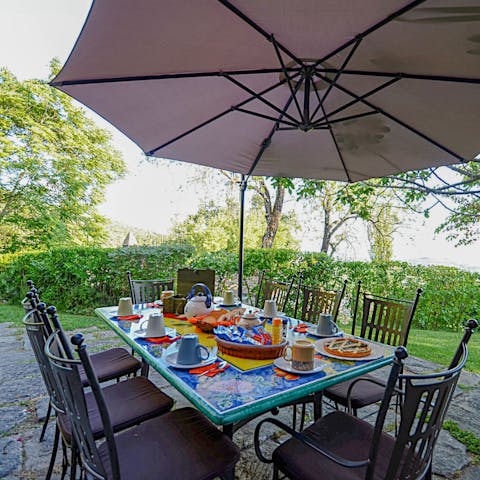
[(180, 445), (363, 393), (110, 364), (129, 402), (341, 434)]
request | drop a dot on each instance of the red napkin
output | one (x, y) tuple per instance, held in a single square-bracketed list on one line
[(165, 339), (301, 328), (211, 370), (130, 317)]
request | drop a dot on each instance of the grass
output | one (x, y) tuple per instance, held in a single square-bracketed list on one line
[(12, 313), (436, 346), (469, 439)]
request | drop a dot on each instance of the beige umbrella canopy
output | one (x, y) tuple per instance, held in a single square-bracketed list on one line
[(328, 89)]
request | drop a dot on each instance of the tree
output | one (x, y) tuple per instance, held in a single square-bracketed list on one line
[(54, 166), (215, 227), (456, 188), (272, 209), (380, 229)]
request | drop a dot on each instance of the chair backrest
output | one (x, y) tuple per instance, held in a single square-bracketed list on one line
[(383, 319), (269, 289), (146, 291), (37, 334), (67, 376), (188, 277), (317, 300), (425, 403)]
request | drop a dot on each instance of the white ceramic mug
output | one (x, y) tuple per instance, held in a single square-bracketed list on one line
[(270, 309), (155, 325), (326, 326), (228, 298), (125, 307)]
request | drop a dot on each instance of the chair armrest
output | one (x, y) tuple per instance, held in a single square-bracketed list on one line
[(305, 440), (366, 379)]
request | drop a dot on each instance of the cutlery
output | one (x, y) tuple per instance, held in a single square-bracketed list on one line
[(216, 366)]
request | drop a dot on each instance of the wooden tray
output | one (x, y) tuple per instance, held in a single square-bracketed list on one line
[(255, 352)]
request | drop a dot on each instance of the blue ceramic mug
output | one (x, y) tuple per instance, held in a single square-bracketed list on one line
[(190, 351)]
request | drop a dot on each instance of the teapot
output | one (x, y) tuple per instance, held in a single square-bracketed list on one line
[(250, 320), (198, 304)]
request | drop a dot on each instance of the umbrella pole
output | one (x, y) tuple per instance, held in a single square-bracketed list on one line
[(243, 187)]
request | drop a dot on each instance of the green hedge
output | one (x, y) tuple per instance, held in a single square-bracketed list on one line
[(78, 280)]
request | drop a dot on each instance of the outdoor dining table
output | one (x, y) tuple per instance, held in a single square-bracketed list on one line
[(248, 387)]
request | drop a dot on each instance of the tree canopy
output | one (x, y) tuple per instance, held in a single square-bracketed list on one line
[(213, 228), (54, 166)]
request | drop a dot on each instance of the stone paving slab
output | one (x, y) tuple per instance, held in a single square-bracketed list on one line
[(23, 404)]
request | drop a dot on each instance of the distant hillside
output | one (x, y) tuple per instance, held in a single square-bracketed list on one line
[(445, 262)]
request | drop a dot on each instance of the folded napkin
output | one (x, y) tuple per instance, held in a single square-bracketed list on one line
[(209, 370), (301, 328), (128, 317), (165, 339)]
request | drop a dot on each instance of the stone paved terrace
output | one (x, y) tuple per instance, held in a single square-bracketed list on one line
[(23, 404)]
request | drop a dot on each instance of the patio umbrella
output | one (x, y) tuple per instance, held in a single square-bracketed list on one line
[(332, 89)]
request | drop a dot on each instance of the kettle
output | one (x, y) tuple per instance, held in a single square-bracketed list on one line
[(198, 304)]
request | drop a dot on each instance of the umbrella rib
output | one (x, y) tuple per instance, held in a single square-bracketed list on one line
[(337, 148), (259, 97), (259, 29), (336, 77), (344, 119), (261, 115), (285, 72), (357, 99), (413, 76), (216, 117), (371, 29), (268, 140), (167, 76), (397, 120)]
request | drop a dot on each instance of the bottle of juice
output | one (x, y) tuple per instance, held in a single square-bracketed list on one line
[(276, 331)]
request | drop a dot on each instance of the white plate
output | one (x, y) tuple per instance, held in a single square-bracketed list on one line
[(238, 304), (313, 331), (283, 364), (377, 351), (171, 359), (169, 332)]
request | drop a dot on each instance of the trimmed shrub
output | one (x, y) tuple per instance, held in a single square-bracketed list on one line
[(78, 280)]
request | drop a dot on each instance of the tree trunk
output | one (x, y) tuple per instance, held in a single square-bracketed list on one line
[(327, 234), (273, 213)]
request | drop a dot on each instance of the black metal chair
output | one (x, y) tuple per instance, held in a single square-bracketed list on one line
[(181, 444), (147, 291), (340, 446), (109, 364), (316, 300), (269, 289), (385, 320), (147, 399)]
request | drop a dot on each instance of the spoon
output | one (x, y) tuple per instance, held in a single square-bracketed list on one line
[(217, 366)]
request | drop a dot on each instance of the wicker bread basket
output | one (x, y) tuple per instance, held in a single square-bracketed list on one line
[(255, 352)]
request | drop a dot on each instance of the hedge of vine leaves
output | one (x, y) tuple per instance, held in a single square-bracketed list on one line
[(77, 280)]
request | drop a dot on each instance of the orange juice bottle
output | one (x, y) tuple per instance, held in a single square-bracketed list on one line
[(276, 331)]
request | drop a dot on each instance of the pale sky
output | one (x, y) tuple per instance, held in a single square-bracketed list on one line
[(32, 32)]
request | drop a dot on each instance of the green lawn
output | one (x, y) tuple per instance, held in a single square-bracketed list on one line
[(436, 346)]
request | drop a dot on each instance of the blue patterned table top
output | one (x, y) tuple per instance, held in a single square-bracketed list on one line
[(237, 394)]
